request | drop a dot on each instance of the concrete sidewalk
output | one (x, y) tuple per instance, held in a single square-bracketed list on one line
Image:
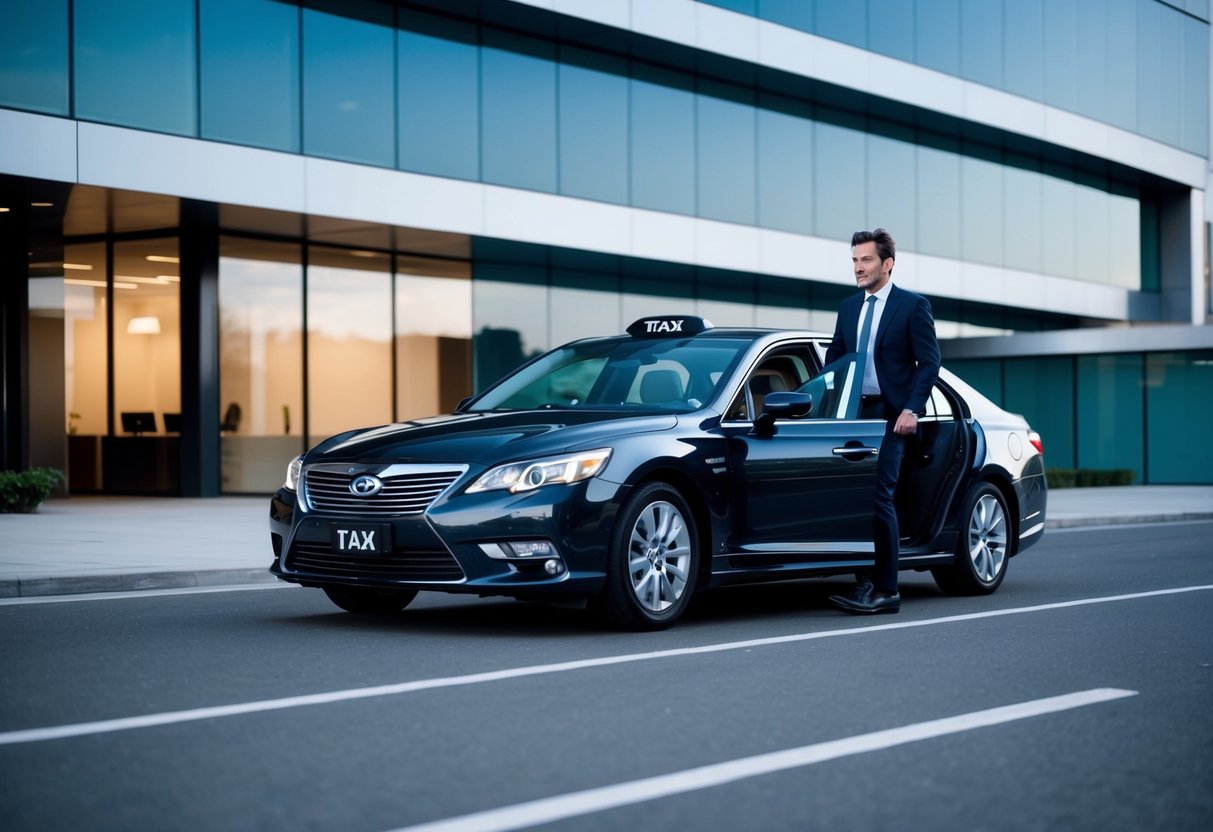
[(114, 544)]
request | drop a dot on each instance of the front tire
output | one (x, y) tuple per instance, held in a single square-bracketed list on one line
[(370, 600), (982, 548), (653, 560)]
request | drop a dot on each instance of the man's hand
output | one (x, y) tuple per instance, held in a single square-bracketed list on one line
[(907, 423)]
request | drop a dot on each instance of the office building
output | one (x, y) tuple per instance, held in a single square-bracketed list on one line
[(233, 227)]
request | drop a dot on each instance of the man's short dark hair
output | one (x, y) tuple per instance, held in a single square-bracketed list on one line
[(885, 246)]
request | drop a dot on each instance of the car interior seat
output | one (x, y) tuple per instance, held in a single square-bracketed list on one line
[(660, 386)]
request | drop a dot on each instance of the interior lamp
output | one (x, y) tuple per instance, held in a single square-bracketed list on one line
[(149, 325)]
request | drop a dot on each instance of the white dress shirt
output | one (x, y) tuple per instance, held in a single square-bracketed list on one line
[(871, 385)]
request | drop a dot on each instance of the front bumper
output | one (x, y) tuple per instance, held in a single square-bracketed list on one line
[(446, 548)]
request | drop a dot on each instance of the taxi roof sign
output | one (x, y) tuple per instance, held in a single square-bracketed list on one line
[(668, 326)]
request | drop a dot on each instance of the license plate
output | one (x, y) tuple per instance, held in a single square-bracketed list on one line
[(361, 538)]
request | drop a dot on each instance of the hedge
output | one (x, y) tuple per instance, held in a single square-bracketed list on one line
[(1088, 477)]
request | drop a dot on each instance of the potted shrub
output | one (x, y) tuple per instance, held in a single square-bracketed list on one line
[(24, 491)]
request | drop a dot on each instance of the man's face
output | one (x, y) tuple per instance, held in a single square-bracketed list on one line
[(871, 274)]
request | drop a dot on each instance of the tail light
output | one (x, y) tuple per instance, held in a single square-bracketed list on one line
[(1034, 438)]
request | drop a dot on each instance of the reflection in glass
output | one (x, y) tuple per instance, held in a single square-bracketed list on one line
[(663, 141), (1057, 222), (1194, 79), (1061, 44), (349, 68), (518, 89), (510, 315), (250, 72), (1092, 226), (892, 188), (85, 354), (1110, 408), (349, 341), (1023, 39), (1021, 219), (260, 362), (937, 35), (583, 305), (840, 188), (980, 46), (33, 56), (1178, 385), (981, 200), (135, 63), (147, 330), (593, 126), (725, 153), (439, 92), (433, 339), (785, 167)]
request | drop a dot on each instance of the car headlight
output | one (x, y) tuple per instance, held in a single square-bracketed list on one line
[(292, 474), (531, 474)]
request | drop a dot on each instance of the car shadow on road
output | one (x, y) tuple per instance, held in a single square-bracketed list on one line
[(462, 616)]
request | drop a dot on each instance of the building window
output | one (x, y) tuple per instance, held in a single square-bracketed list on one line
[(250, 72), (135, 63), (260, 362), (349, 340), (33, 57)]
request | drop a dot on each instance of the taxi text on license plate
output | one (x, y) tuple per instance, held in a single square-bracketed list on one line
[(361, 538)]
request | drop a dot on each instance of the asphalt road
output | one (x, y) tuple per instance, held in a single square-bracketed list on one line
[(1077, 697)]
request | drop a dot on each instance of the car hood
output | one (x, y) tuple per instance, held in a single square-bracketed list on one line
[(485, 438)]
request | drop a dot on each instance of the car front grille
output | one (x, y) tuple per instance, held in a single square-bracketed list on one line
[(403, 493), (421, 565)]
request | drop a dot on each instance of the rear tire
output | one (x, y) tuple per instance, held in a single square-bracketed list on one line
[(982, 548), (370, 600), (653, 560)]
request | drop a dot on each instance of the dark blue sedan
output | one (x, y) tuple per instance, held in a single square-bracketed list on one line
[(632, 470)]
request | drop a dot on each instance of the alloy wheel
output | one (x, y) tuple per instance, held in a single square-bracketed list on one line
[(659, 556), (987, 538)]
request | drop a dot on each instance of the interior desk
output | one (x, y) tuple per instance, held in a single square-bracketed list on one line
[(141, 464)]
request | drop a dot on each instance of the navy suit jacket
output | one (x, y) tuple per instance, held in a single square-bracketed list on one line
[(907, 354)]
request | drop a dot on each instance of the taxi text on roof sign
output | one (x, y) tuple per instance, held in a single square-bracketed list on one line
[(661, 326)]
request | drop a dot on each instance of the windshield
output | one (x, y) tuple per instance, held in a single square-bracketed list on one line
[(674, 375)]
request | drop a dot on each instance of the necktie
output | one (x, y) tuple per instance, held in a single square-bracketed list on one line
[(865, 332)]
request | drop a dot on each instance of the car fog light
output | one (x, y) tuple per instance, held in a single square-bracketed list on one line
[(532, 548), (553, 567)]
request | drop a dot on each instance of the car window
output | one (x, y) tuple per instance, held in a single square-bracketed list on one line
[(675, 374), (835, 390), (784, 368), (939, 407)]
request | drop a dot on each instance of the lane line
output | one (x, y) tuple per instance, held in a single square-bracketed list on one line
[(218, 711), (141, 593), (575, 804)]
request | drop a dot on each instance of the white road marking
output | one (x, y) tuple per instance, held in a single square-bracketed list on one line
[(141, 593), (173, 717), (576, 804)]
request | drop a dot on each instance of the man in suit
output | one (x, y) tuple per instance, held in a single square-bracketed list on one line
[(894, 333)]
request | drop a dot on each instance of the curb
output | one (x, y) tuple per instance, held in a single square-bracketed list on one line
[(1125, 519), (133, 581)]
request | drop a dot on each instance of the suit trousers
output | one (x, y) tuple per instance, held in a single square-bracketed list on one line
[(886, 533)]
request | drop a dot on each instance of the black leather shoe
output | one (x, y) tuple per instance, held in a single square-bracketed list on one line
[(873, 603), (863, 588)]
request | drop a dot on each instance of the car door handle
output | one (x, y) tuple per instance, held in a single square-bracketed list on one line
[(856, 449)]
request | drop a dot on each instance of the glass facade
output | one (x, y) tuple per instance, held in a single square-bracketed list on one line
[(260, 361), (1141, 65), (362, 82), (249, 72), (135, 63), (1109, 411)]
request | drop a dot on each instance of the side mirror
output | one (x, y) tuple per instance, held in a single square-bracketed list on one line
[(781, 405)]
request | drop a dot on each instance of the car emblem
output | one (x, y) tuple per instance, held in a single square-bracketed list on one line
[(366, 486)]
